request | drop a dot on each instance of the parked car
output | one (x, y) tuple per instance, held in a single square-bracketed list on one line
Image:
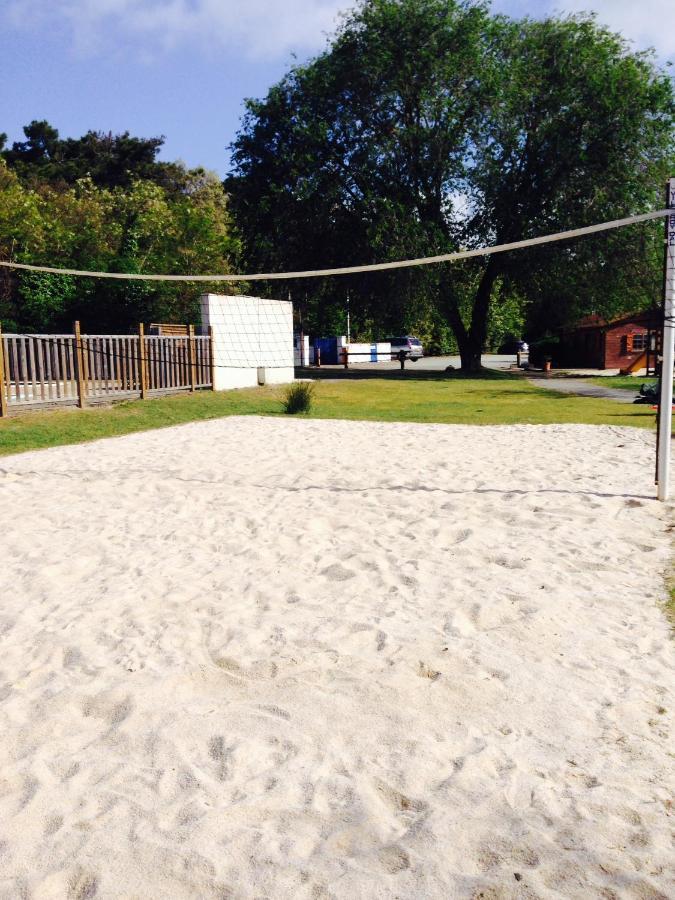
[(412, 347)]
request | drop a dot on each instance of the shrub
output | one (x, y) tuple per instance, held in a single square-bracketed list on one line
[(545, 348), (298, 398)]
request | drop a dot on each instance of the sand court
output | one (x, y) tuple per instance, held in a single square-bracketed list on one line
[(257, 657)]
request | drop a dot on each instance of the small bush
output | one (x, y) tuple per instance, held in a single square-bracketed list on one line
[(298, 398)]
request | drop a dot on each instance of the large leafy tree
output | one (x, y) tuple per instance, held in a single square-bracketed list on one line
[(429, 125)]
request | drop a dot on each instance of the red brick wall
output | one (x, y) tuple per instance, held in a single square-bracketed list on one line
[(618, 341)]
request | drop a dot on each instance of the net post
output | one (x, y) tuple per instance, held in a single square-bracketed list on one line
[(668, 353), (142, 361), (79, 365), (3, 396), (212, 359), (191, 356)]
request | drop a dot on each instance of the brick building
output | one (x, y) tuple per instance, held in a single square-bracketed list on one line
[(597, 343)]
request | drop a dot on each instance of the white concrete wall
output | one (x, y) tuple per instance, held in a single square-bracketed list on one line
[(301, 354), (359, 353), (364, 353), (249, 334)]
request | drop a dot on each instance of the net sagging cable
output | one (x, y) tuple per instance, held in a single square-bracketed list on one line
[(249, 339), (353, 270)]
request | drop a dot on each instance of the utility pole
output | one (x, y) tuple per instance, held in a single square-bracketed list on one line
[(665, 414)]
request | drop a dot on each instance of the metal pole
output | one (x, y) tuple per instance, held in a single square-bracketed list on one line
[(212, 359), (191, 357), (349, 335), (668, 353)]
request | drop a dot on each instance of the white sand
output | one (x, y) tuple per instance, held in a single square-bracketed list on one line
[(276, 658)]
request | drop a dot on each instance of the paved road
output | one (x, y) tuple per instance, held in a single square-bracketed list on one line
[(427, 364), (581, 388)]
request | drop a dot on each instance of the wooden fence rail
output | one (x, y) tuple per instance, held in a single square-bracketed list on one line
[(41, 370)]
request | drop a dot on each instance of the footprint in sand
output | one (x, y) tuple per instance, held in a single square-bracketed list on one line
[(399, 802), (499, 852), (337, 572), (53, 824), (259, 670), (221, 755), (394, 859), (82, 885), (105, 707), (275, 711), (506, 563)]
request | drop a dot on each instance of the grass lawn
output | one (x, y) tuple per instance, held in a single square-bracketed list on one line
[(501, 400), (623, 382)]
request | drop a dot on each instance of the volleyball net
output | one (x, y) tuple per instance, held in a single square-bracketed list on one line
[(247, 335), (257, 333)]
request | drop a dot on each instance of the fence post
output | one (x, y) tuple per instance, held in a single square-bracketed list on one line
[(4, 400), (191, 356), (79, 366), (212, 359), (142, 361)]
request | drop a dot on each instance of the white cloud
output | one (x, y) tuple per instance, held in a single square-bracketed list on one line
[(256, 28), (646, 23), (270, 29)]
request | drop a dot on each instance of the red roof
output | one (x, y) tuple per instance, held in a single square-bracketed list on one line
[(646, 317)]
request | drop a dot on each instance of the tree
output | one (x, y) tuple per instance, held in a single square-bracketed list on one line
[(144, 227), (428, 125), (40, 147), (109, 160)]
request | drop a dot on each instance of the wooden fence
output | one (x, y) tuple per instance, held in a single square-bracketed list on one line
[(42, 370)]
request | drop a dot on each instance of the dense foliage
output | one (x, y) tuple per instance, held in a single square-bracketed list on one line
[(74, 203), (430, 124)]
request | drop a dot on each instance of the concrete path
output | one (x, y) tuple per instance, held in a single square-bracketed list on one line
[(581, 388)]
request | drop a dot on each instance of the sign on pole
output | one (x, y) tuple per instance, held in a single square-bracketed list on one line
[(668, 355)]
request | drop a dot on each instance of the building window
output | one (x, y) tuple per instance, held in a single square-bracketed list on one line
[(639, 342)]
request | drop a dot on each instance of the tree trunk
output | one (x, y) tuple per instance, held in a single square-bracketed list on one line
[(481, 305), (472, 340), (470, 356)]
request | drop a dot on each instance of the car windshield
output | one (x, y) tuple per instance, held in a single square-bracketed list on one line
[(415, 342)]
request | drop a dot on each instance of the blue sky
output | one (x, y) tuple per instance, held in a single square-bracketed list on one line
[(182, 67)]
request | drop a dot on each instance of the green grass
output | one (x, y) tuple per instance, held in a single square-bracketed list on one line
[(503, 400), (623, 382)]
